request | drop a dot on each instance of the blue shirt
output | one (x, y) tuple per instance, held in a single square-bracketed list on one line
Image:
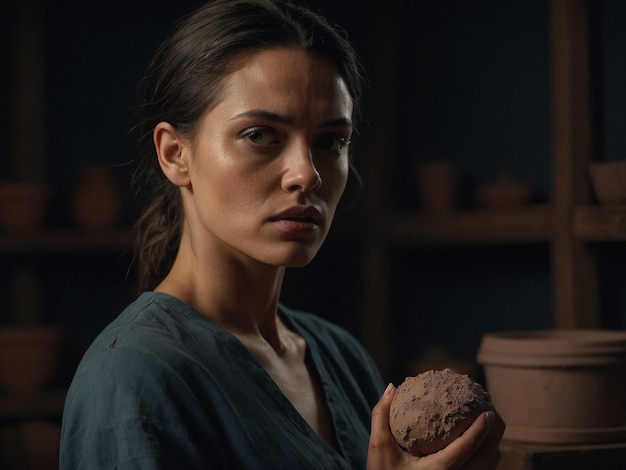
[(164, 387)]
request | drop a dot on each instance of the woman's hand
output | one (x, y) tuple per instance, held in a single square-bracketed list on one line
[(475, 449)]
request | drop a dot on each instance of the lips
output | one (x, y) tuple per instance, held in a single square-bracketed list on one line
[(305, 214)]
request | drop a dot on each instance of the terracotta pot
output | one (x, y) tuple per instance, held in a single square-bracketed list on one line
[(438, 186), (23, 206), (97, 201), (558, 386), (497, 195), (28, 357), (609, 181)]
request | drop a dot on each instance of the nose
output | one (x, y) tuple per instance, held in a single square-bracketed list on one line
[(300, 172)]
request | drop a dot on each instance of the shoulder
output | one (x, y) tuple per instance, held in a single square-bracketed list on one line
[(130, 407), (131, 394), (148, 353), (154, 327)]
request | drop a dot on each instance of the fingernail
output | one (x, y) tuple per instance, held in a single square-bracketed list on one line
[(388, 389), (489, 417)]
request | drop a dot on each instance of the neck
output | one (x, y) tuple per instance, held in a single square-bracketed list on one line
[(237, 293)]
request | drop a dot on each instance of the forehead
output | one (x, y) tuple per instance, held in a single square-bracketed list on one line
[(287, 80)]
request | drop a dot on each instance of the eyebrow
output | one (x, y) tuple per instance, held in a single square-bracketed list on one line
[(282, 119)]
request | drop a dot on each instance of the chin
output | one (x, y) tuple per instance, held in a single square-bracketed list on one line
[(299, 264), (297, 258)]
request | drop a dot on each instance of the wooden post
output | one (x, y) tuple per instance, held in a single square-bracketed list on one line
[(29, 136), (574, 268), (379, 142), (28, 84)]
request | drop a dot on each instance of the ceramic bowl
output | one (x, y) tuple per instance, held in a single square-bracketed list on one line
[(558, 386), (97, 201), (29, 357), (495, 195), (438, 185), (609, 181), (23, 206)]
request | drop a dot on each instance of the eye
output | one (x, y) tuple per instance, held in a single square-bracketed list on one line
[(331, 143), (262, 137)]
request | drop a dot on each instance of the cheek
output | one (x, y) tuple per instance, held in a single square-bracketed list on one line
[(239, 190), (334, 178), (216, 176)]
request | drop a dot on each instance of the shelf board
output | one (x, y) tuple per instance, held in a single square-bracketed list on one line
[(66, 242), (600, 223), (37, 405), (511, 225), (520, 224), (522, 456)]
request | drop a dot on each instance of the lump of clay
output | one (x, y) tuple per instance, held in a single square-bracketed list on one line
[(432, 409)]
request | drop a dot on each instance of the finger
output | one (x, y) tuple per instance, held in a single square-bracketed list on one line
[(489, 450), (495, 460), (459, 452), (383, 449), (380, 433)]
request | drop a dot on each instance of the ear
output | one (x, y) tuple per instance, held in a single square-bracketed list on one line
[(172, 153)]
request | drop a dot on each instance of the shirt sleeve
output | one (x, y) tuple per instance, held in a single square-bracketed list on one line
[(128, 410)]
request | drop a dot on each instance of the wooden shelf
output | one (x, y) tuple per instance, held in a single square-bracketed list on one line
[(65, 242), (519, 456), (38, 405), (591, 223), (522, 224), (600, 223)]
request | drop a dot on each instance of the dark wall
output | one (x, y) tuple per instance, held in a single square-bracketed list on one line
[(610, 67), (474, 80), (5, 87), (471, 80), (97, 53), (95, 56)]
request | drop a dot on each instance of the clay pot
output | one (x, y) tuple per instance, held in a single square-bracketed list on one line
[(501, 195), (28, 357), (609, 181), (23, 206), (97, 200), (558, 386), (438, 185)]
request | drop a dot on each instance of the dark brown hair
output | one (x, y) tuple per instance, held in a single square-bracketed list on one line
[(184, 79)]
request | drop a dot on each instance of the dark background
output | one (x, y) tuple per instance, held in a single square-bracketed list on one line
[(466, 81)]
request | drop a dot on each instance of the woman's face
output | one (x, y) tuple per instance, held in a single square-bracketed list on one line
[(269, 161)]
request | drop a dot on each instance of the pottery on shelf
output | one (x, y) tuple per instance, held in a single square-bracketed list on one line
[(438, 184), (558, 386), (503, 194), (23, 206), (29, 357), (609, 181), (97, 201)]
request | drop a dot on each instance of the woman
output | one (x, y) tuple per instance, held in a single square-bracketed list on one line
[(248, 118)]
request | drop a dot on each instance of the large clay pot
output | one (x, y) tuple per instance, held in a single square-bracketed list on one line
[(558, 386), (609, 181)]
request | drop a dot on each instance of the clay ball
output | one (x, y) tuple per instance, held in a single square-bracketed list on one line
[(432, 409)]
